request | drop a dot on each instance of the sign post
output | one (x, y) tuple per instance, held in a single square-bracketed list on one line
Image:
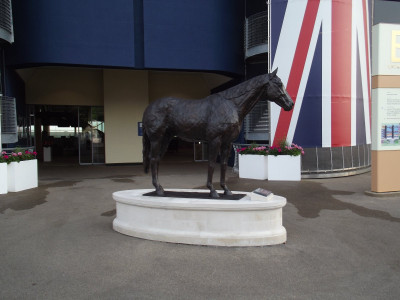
[(385, 163)]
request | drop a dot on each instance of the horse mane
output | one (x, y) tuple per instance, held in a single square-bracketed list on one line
[(244, 87)]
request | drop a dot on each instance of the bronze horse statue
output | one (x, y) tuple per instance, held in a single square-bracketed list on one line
[(216, 119)]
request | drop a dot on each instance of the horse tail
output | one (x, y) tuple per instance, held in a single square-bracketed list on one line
[(146, 151)]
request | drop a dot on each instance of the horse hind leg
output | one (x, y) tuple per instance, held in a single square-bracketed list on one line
[(155, 155), (213, 149), (165, 143), (225, 151)]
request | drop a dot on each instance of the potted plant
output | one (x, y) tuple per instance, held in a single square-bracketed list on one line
[(22, 171), (282, 162), (3, 172)]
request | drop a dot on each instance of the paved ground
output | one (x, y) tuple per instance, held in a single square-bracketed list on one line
[(57, 242)]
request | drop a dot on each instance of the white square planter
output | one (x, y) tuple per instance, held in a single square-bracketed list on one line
[(253, 166), (3, 178), (22, 176), (284, 167)]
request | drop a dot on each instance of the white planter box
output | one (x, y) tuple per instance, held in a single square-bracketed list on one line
[(3, 178), (253, 166), (284, 167), (46, 154), (22, 176)]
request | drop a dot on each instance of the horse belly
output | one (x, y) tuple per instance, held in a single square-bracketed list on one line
[(190, 131), (188, 122)]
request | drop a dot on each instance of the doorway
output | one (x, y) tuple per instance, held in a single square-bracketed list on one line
[(91, 135), (70, 134)]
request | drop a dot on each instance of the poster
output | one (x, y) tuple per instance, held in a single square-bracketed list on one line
[(386, 108)]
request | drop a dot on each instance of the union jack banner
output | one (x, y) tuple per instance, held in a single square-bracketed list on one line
[(321, 50)]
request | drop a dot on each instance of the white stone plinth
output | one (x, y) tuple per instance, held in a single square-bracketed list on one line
[(200, 221)]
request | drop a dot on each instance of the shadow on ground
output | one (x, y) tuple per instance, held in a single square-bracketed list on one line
[(309, 197)]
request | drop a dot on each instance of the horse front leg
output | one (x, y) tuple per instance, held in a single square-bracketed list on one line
[(225, 151), (213, 149), (154, 163)]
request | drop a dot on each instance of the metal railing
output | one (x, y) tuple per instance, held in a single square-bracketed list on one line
[(256, 34), (8, 116), (17, 149), (256, 124), (338, 161), (6, 23)]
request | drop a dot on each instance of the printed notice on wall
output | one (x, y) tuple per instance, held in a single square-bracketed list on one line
[(387, 108)]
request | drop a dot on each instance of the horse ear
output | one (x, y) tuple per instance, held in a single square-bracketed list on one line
[(273, 74)]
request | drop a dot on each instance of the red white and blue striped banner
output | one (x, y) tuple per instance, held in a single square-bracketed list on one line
[(321, 48)]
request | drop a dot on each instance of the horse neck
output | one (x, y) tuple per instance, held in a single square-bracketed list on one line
[(246, 102), (246, 94)]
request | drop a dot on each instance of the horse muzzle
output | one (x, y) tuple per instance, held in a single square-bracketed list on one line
[(287, 104)]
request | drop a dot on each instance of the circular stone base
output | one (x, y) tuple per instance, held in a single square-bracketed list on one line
[(243, 222)]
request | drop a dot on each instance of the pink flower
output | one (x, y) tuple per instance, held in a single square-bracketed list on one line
[(34, 153), (4, 152), (14, 154), (5, 156), (19, 153), (260, 148)]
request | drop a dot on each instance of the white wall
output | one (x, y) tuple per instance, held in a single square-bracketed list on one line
[(125, 99), (63, 86), (177, 84)]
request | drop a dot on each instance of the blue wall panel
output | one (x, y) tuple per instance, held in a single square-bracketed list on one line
[(194, 35), (175, 34), (89, 32)]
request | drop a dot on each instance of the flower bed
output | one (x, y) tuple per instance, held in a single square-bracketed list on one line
[(282, 162), (17, 156), (282, 149)]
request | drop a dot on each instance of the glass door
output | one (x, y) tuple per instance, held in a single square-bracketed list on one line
[(91, 135)]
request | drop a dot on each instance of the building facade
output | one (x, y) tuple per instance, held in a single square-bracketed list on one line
[(82, 72)]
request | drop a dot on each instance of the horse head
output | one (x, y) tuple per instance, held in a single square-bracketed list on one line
[(276, 92)]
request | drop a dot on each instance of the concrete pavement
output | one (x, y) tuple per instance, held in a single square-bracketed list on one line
[(57, 242)]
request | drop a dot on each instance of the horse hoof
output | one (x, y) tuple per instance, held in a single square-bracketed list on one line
[(160, 192), (214, 194), (228, 193)]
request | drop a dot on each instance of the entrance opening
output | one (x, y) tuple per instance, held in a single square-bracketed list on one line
[(91, 135), (70, 134)]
